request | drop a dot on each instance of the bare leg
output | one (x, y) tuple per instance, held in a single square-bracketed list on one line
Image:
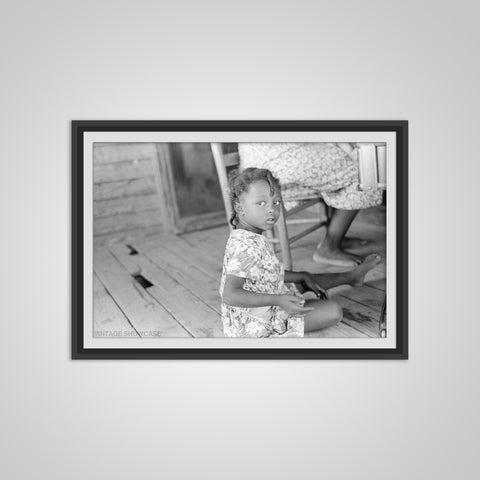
[(330, 250), (352, 242), (326, 314), (354, 277)]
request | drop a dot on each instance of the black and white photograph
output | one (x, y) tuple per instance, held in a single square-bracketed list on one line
[(284, 242)]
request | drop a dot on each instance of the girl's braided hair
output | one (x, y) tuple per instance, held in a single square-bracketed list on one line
[(239, 182)]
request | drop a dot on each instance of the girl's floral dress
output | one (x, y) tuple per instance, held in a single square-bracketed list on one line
[(311, 168), (250, 256)]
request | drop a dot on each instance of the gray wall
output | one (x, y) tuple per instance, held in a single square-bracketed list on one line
[(243, 60)]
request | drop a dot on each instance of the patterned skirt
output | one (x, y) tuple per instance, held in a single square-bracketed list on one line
[(263, 322), (311, 168)]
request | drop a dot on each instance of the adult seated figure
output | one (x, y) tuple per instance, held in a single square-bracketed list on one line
[(327, 168)]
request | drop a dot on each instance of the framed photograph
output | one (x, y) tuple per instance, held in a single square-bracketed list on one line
[(239, 239)]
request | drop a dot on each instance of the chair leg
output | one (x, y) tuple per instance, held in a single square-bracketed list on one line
[(382, 324), (270, 235), (283, 238)]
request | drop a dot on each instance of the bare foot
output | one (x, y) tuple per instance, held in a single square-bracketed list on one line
[(335, 256), (352, 242), (358, 273)]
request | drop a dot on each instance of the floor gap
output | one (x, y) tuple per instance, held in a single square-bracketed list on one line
[(133, 251), (145, 283)]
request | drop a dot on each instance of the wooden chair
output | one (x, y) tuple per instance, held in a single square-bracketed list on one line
[(372, 164), (225, 160)]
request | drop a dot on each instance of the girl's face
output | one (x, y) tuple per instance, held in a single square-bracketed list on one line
[(258, 209)]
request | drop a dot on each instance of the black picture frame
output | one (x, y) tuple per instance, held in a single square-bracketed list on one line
[(399, 129)]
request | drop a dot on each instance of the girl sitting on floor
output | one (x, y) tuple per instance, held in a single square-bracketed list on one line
[(256, 301)]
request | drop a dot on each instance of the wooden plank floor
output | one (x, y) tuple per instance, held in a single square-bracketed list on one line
[(167, 286)]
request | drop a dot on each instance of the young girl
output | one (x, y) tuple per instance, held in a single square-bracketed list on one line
[(256, 301)]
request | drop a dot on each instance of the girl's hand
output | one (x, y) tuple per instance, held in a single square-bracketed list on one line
[(292, 305), (312, 286)]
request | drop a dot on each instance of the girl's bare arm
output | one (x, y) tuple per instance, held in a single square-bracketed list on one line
[(294, 277), (236, 296)]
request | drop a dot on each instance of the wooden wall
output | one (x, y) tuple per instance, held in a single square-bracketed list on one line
[(126, 199)]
